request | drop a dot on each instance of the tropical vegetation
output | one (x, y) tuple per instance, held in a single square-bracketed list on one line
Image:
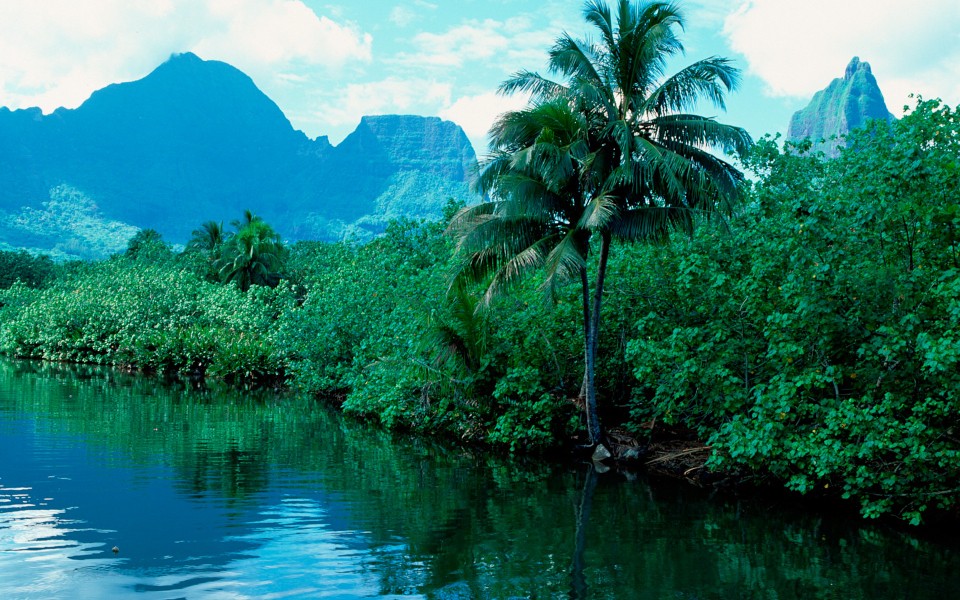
[(809, 338)]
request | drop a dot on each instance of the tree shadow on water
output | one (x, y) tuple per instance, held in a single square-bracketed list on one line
[(578, 581)]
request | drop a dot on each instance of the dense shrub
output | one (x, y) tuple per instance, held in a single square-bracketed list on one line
[(816, 340), (378, 328), (32, 271), (150, 316)]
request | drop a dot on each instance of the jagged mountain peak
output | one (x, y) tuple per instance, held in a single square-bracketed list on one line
[(844, 105), (854, 66)]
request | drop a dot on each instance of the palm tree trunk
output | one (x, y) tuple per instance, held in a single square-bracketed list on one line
[(593, 342), (585, 287)]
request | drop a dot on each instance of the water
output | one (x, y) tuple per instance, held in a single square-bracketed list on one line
[(216, 494)]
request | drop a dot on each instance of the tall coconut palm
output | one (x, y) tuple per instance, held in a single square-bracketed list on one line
[(609, 151)]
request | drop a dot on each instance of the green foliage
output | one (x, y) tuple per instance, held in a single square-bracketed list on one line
[(816, 341), (149, 316), (607, 151), (813, 339), (147, 245), (378, 330), (33, 271), (253, 255)]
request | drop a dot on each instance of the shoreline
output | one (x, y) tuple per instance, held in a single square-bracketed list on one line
[(667, 455)]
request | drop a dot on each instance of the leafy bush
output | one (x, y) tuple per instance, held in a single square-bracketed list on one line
[(816, 340), (33, 271), (378, 329), (160, 317)]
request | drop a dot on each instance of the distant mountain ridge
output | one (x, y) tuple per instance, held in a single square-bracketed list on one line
[(196, 140), (844, 105)]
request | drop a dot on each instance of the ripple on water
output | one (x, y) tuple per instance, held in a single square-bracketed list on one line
[(39, 545)]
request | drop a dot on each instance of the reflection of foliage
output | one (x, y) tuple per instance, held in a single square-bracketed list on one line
[(68, 226), (451, 524)]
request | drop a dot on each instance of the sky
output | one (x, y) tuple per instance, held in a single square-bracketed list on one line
[(326, 63)]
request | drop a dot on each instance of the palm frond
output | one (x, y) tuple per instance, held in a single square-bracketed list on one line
[(531, 83), (566, 261), (711, 78), (652, 224), (688, 129), (599, 213)]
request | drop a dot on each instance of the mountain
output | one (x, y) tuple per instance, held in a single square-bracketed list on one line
[(844, 105), (196, 140)]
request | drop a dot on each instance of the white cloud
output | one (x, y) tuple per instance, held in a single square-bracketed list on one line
[(704, 13), (271, 32), (514, 42), (798, 47), (475, 114), (401, 16), (388, 96), (471, 41), (57, 52)]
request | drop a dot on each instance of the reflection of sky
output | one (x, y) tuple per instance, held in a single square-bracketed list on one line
[(298, 554), (57, 531)]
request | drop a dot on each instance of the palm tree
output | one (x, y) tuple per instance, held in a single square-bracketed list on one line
[(247, 219), (610, 151), (208, 241), (208, 238), (254, 255)]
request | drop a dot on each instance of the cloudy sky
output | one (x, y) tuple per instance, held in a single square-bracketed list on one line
[(328, 62)]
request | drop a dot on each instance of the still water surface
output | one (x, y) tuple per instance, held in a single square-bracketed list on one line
[(219, 494)]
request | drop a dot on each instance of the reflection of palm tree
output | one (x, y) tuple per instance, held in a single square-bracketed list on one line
[(254, 255), (578, 582), (609, 152)]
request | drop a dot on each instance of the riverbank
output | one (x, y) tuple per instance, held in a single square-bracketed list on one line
[(810, 341)]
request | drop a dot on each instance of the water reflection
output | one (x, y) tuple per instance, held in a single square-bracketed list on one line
[(210, 493)]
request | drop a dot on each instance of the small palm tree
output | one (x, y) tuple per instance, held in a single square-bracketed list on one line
[(247, 219), (608, 152), (208, 238), (208, 241), (254, 255)]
